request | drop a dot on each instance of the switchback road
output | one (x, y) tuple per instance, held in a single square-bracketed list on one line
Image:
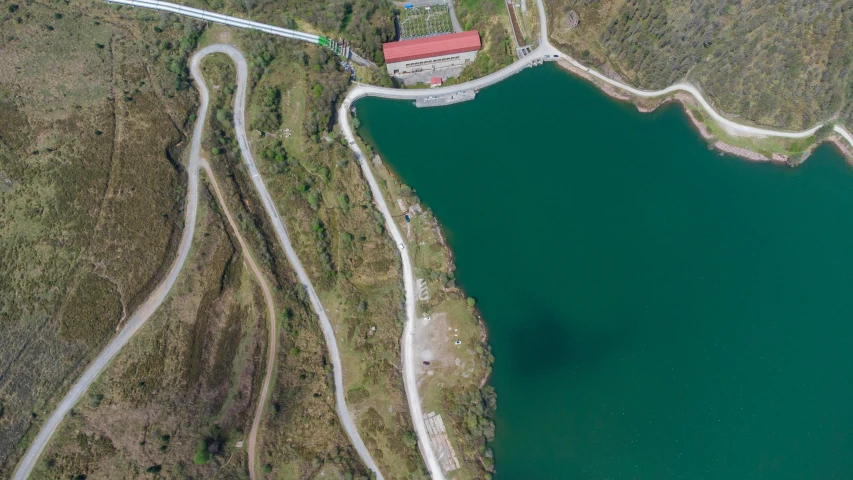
[(284, 241)]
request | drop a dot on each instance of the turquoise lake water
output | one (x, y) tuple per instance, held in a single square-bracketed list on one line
[(656, 310)]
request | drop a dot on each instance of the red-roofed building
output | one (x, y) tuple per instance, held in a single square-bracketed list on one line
[(431, 53)]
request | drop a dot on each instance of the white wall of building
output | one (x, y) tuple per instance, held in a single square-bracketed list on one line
[(431, 63)]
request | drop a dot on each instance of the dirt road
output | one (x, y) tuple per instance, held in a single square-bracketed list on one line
[(195, 69), (271, 326), (293, 259)]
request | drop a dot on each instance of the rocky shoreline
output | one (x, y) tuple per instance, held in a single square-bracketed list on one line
[(687, 101)]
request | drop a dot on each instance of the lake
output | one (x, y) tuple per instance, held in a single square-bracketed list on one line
[(656, 310)]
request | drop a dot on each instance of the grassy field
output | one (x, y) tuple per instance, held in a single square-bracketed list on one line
[(91, 125), (764, 62)]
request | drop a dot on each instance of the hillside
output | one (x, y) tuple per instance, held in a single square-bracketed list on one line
[(784, 64), (93, 123), (91, 129)]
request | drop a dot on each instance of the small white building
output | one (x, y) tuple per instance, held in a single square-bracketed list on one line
[(431, 53)]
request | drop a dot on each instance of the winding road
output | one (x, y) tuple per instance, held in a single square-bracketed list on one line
[(25, 467), (284, 241), (545, 51), (195, 69)]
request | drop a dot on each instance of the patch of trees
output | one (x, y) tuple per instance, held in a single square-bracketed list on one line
[(175, 55), (476, 409), (268, 117), (276, 154), (328, 84), (321, 244), (212, 445), (367, 24), (788, 64), (260, 49), (324, 75)]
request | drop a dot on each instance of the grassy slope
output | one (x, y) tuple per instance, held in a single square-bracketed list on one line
[(91, 212), (192, 376), (801, 76), (339, 237), (164, 392), (300, 435), (491, 19)]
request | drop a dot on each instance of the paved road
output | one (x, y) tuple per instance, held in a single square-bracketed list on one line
[(410, 380), (453, 20), (409, 375), (545, 50), (284, 241), (271, 325), (25, 467), (844, 133)]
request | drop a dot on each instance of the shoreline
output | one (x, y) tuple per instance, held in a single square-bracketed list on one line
[(686, 101), (380, 170)]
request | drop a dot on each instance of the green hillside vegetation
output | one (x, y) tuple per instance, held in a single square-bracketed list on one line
[(164, 394), (783, 64), (182, 395), (490, 18), (341, 240), (93, 122), (91, 125)]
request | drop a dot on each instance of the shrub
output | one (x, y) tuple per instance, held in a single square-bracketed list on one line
[(95, 399), (201, 456)]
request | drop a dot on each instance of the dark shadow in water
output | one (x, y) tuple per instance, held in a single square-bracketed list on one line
[(548, 345)]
